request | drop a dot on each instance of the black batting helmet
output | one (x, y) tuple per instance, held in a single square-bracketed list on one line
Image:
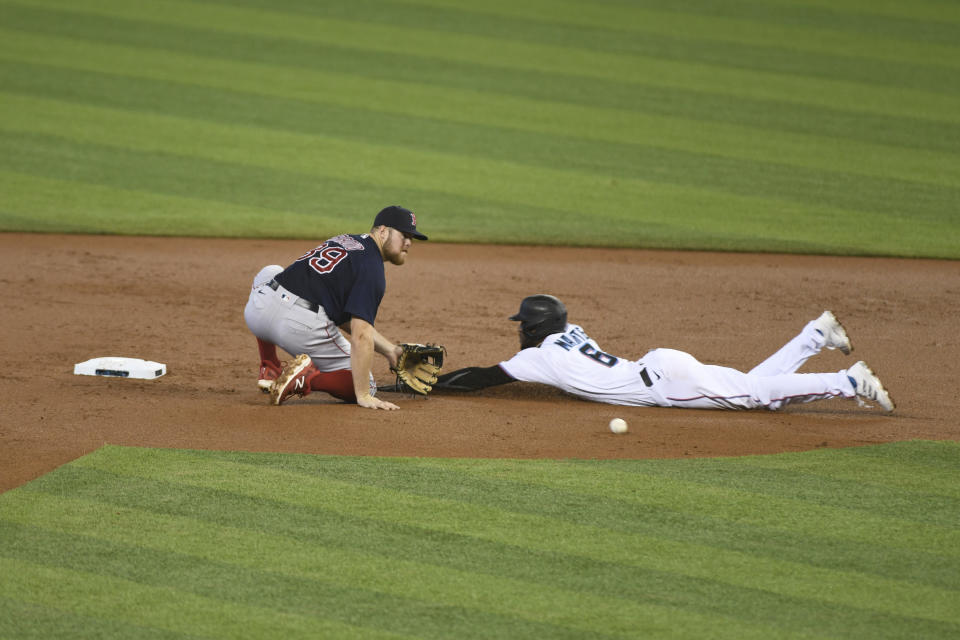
[(540, 316)]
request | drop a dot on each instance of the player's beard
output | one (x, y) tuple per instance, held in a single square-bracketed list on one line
[(393, 250), (395, 256)]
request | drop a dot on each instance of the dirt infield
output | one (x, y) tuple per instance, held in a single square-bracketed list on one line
[(180, 302)]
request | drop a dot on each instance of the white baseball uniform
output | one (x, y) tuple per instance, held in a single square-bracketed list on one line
[(574, 362)]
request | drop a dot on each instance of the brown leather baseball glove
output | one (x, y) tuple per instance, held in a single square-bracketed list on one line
[(418, 366)]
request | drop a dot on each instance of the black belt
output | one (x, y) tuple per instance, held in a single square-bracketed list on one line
[(306, 304), (646, 377)]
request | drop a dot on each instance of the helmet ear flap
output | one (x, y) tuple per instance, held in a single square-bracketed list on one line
[(528, 340), (540, 316)]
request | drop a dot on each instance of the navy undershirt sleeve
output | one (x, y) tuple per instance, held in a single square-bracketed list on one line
[(473, 378)]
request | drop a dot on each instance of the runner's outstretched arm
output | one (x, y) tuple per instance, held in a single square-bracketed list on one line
[(473, 378)]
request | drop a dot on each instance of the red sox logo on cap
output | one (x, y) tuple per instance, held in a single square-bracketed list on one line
[(401, 219)]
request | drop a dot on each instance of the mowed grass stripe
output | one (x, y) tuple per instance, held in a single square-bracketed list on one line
[(934, 10), (927, 25), (613, 141), (117, 185), (924, 468), (921, 467), (884, 533), (344, 580), (118, 600), (841, 15), (371, 99), (124, 209), (310, 527), (938, 455), (874, 509), (539, 533), (304, 165), (569, 193), (339, 589), (105, 174), (902, 468), (932, 29), (668, 593), (559, 73), (683, 34), (775, 500), (293, 198), (667, 29), (27, 621), (609, 159)]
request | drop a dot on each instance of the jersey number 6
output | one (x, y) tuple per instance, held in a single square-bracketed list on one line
[(605, 359)]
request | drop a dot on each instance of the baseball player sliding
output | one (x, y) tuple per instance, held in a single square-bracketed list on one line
[(560, 354), (332, 290)]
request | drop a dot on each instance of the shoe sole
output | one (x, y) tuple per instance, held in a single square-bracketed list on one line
[(845, 348), (292, 370)]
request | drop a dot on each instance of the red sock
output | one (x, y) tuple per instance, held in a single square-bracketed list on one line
[(338, 383), (268, 352)]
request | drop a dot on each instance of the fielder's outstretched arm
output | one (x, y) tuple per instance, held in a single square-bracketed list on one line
[(362, 344), (473, 378)]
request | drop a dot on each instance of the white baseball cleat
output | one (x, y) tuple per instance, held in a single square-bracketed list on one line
[(867, 385), (833, 332)]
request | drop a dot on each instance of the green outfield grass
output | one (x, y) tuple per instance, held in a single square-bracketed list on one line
[(808, 126), (778, 125), (128, 542)]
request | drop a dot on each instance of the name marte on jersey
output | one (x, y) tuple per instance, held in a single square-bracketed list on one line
[(571, 339)]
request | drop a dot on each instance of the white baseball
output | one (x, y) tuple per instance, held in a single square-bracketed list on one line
[(618, 425)]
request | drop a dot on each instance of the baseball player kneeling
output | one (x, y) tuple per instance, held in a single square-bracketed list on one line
[(322, 308)]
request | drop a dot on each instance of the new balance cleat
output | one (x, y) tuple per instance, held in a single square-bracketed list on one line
[(868, 386), (293, 380)]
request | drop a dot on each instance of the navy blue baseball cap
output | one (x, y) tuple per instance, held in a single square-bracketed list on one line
[(403, 220)]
